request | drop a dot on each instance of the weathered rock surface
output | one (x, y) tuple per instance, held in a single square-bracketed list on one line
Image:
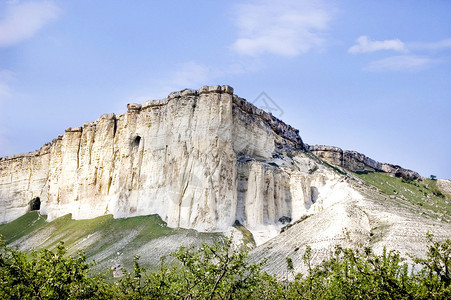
[(358, 162), (199, 158), (372, 221), (204, 159)]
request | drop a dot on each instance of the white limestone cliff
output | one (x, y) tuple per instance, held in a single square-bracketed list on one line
[(199, 158)]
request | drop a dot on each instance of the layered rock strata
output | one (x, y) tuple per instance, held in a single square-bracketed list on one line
[(199, 158), (358, 162)]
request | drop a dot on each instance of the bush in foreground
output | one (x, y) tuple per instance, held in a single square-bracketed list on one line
[(220, 272)]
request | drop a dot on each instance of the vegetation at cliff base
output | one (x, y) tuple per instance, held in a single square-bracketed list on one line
[(220, 271), (104, 239)]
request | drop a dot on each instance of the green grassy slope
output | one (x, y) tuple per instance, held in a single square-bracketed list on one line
[(71, 231), (104, 239), (423, 194), (248, 238), (22, 226)]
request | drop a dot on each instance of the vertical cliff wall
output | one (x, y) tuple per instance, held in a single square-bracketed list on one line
[(199, 158)]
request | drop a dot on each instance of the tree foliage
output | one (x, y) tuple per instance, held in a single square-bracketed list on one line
[(221, 272), (47, 274)]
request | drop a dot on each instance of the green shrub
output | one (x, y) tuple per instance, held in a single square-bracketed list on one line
[(220, 271), (312, 170), (47, 274)]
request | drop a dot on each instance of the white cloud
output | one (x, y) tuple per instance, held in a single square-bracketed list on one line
[(21, 21), (406, 62), (400, 63), (365, 45), (286, 28)]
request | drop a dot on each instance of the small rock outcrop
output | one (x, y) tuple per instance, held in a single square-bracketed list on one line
[(358, 162)]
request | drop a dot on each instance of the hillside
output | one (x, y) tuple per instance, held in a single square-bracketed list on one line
[(201, 164), (392, 212), (107, 241)]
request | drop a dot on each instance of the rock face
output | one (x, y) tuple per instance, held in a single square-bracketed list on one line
[(205, 159), (358, 162), (374, 221), (199, 158)]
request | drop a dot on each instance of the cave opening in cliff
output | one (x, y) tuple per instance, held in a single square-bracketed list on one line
[(314, 194), (136, 141), (35, 204)]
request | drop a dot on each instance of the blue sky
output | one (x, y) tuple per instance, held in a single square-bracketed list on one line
[(370, 76)]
